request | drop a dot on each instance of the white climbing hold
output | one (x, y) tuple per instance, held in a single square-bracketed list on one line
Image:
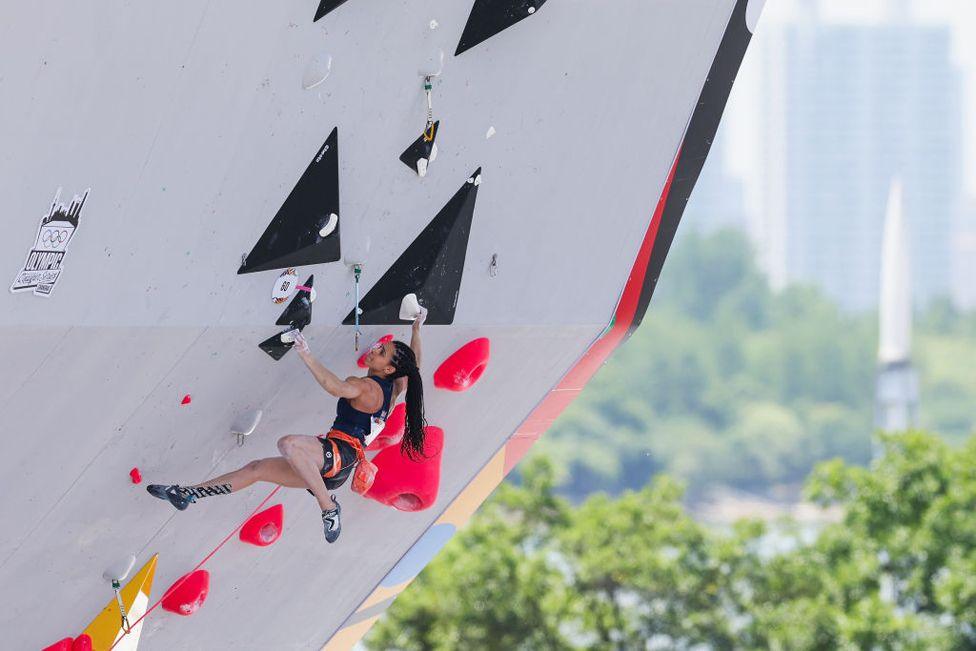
[(433, 65), (245, 423), (433, 24), (477, 180), (421, 167), (531, 10), (433, 153), (288, 337), (120, 570), (409, 308), (317, 71), (330, 225), (491, 132)]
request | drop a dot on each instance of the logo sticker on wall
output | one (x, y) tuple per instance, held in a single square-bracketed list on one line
[(46, 258)]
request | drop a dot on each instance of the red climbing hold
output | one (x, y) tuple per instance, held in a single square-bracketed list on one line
[(135, 475), (361, 362), (464, 367), (82, 643), (188, 593), (406, 484), (392, 432), (186, 399), (60, 645), (264, 528)]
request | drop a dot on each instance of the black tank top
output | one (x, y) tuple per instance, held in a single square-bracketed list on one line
[(359, 423)]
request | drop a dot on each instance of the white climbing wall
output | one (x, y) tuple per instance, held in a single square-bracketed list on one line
[(191, 122)]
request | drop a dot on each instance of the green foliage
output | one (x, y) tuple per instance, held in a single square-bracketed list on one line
[(494, 586), (729, 383), (533, 572)]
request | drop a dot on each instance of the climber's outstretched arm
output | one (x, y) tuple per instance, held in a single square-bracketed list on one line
[(415, 334), (400, 385), (349, 389)]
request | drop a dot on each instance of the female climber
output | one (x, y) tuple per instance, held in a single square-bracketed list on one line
[(323, 463)]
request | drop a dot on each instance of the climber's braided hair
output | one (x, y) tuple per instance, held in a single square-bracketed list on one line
[(405, 363)]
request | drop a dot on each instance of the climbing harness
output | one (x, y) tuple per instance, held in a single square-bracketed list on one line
[(365, 472)]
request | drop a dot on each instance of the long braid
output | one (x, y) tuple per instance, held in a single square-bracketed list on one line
[(405, 363)]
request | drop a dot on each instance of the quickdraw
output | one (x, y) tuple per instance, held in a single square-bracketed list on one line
[(357, 271), (429, 129)]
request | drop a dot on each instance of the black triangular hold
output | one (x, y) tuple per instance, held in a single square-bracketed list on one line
[(298, 314), (325, 6), (421, 148), (430, 267), (293, 238), (275, 347), (488, 17)]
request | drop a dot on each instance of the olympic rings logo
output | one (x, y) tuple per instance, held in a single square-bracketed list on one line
[(53, 237)]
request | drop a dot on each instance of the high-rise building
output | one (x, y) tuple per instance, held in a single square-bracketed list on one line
[(718, 200), (964, 258), (846, 108)]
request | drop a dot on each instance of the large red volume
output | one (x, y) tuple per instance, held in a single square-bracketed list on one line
[(392, 432), (405, 484), (60, 645), (186, 598), (464, 367), (82, 643), (264, 528)]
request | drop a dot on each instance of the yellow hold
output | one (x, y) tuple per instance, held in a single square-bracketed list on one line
[(107, 627)]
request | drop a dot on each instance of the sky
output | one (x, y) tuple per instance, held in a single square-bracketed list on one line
[(741, 121)]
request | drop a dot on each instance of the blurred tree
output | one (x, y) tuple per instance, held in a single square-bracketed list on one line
[(728, 383), (494, 586), (532, 572)]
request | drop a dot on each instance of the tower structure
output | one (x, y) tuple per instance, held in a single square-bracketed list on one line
[(896, 401)]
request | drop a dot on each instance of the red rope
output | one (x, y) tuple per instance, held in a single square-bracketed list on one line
[(198, 565)]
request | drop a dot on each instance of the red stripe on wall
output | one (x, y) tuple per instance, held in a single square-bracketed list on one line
[(543, 416)]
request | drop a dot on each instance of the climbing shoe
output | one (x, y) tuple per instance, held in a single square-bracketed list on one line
[(330, 519), (173, 494)]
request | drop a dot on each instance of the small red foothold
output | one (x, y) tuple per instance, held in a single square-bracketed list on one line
[(60, 645), (136, 475), (188, 593), (186, 399), (82, 643), (264, 528)]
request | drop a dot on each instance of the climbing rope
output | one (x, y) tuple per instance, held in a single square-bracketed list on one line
[(198, 566)]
